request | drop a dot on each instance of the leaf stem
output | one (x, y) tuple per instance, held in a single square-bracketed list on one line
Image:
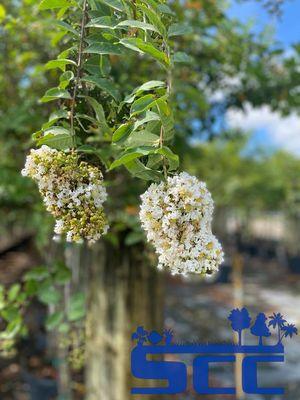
[(79, 67)]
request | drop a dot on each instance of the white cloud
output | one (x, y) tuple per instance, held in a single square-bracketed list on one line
[(284, 132)]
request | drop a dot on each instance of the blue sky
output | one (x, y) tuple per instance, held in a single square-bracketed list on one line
[(287, 27), (270, 129)]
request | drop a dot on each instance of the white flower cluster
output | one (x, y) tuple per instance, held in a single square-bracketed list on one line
[(177, 217), (72, 191)]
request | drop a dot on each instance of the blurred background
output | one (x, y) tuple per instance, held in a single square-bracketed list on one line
[(238, 129)]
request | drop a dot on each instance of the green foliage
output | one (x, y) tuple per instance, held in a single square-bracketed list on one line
[(147, 70), (244, 182)]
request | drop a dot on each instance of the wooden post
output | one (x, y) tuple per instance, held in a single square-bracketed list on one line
[(124, 292), (237, 280)]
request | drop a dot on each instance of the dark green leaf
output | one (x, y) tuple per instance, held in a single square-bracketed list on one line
[(122, 131), (134, 238), (137, 24), (53, 320), (105, 48), (59, 63), (104, 84), (59, 142), (142, 104), (115, 4), (142, 138), (139, 170), (173, 159), (54, 94), (130, 155), (154, 18), (37, 273), (67, 27), (140, 46), (105, 22), (49, 295)]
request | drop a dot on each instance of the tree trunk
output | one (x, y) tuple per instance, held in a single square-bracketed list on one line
[(124, 292)]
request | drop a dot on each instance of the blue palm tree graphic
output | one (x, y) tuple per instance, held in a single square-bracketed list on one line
[(289, 330), (277, 320)]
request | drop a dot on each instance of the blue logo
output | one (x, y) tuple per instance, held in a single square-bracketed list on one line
[(175, 372)]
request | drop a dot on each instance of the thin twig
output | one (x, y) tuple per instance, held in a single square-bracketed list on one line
[(79, 66), (161, 142), (169, 89)]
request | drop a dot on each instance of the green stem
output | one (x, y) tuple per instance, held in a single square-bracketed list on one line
[(78, 74)]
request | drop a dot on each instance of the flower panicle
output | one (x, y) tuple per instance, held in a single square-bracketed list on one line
[(177, 217), (73, 192)]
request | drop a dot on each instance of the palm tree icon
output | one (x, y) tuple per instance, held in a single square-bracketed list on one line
[(289, 330), (276, 320)]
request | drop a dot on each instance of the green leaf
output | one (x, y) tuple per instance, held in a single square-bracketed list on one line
[(51, 4), (54, 94), (105, 85), (67, 27), (13, 292), (128, 156), (105, 48), (154, 18), (10, 313), (59, 142), (98, 109), (142, 104), (142, 138), (140, 46), (49, 295), (122, 131), (179, 29), (63, 328), (31, 287), (59, 63), (144, 88), (150, 116), (54, 117), (105, 22), (134, 238), (115, 4), (139, 170), (98, 65), (137, 24), (65, 79), (181, 57), (62, 276), (166, 116), (165, 9), (76, 309), (172, 158), (57, 130), (53, 320), (37, 273)]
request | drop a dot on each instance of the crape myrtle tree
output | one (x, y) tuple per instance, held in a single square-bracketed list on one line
[(97, 129), (122, 69)]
